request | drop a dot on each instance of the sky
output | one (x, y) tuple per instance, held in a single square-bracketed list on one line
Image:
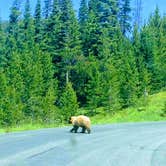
[(148, 7)]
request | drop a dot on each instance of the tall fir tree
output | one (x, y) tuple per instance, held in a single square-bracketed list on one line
[(128, 76), (27, 27), (144, 77), (147, 49), (52, 31), (13, 28), (157, 29), (138, 13), (47, 8), (2, 44), (68, 102), (83, 12), (125, 17), (69, 40), (12, 86), (38, 22)]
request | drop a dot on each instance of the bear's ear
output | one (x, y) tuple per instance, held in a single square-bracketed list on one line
[(69, 121)]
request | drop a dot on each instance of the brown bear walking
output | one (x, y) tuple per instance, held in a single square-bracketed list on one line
[(80, 121)]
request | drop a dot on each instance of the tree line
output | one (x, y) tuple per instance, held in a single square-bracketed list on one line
[(53, 62)]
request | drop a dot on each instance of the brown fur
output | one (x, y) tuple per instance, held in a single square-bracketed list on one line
[(80, 121)]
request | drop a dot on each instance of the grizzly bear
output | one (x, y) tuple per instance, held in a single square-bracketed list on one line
[(80, 121)]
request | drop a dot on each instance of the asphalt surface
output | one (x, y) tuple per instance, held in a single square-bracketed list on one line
[(133, 144)]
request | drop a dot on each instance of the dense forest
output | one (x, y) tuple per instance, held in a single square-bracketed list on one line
[(53, 61)]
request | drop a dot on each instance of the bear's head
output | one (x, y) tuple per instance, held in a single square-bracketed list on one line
[(72, 119)]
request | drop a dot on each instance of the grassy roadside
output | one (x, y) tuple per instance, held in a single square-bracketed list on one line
[(29, 126), (152, 110)]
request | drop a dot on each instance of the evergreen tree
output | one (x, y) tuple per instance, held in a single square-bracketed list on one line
[(141, 67), (125, 18), (138, 13), (90, 41), (52, 31), (68, 102), (10, 100), (38, 22), (83, 12), (147, 50), (83, 16), (94, 88), (38, 80), (114, 23), (128, 76), (156, 25), (160, 60), (27, 28), (13, 28), (14, 18), (69, 42), (102, 14), (2, 44), (47, 8)]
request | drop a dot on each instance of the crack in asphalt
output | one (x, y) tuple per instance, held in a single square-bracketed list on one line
[(30, 152), (159, 155), (41, 153)]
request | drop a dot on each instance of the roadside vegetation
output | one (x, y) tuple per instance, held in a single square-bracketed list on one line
[(103, 64), (152, 109)]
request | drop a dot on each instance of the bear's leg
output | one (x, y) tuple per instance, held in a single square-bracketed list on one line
[(76, 128), (89, 131), (83, 129), (72, 130)]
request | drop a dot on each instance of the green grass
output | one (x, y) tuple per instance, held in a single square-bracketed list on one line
[(149, 110), (29, 126)]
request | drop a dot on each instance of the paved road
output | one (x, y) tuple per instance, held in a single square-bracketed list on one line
[(133, 144)]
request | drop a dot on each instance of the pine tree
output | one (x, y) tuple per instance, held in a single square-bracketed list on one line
[(69, 42), (128, 76), (13, 28), (52, 31), (3, 83), (94, 88), (138, 13), (160, 59), (83, 12), (111, 86), (14, 18), (38, 81), (102, 14), (38, 22), (156, 25), (125, 18), (142, 70), (68, 102), (47, 8), (90, 41), (2, 44), (12, 85), (147, 50), (101, 36), (114, 23), (27, 28)]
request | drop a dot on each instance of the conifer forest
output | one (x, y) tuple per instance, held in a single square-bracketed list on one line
[(54, 60)]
